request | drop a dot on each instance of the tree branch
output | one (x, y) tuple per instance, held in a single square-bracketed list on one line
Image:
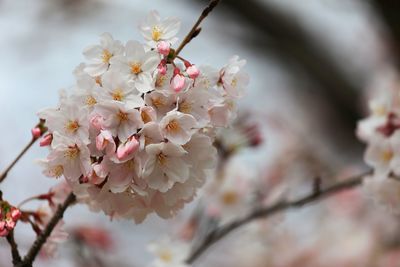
[(265, 212), (16, 258), (195, 29), (43, 129), (41, 239)]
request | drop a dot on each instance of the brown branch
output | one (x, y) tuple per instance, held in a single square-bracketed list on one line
[(9, 167), (41, 239), (43, 129), (195, 29), (16, 258), (265, 212)]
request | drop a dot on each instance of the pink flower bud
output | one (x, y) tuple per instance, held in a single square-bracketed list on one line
[(10, 224), (193, 72), (4, 232), (163, 48), (162, 69), (127, 149), (15, 214), (101, 142), (97, 122), (2, 225), (46, 140), (178, 82), (36, 132)]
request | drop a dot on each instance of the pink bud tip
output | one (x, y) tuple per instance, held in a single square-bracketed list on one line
[(15, 214), (193, 72), (177, 83), (4, 232), (2, 225), (10, 224), (46, 140), (163, 48), (162, 69), (36, 132), (97, 122), (127, 149)]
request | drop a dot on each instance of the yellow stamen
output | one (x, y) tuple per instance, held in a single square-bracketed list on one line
[(161, 158), (98, 80), (156, 33), (72, 152), (145, 117), (122, 116), (72, 126), (106, 56), (90, 101), (160, 81), (387, 155), (185, 107), (136, 67), (118, 95), (158, 102), (234, 82), (57, 171), (173, 126), (229, 198), (166, 256)]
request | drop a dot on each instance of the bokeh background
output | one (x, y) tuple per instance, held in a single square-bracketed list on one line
[(313, 64)]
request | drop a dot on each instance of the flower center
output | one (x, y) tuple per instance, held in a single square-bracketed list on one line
[(90, 101), (156, 33), (136, 67), (387, 155), (234, 82), (72, 126), (72, 152), (161, 158), (185, 107), (173, 126), (118, 95), (122, 116), (229, 198), (160, 81), (158, 102), (145, 117), (98, 80), (57, 171), (106, 56)]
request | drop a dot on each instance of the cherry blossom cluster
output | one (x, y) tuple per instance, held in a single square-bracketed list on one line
[(9, 216), (135, 134), (381, 132)]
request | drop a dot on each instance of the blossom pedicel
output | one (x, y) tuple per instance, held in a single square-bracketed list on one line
[(132, 136)]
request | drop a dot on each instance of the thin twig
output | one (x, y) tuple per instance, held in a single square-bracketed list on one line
[(16, 257), (265, 212), (41, 239), (195, 29), (5, 172)]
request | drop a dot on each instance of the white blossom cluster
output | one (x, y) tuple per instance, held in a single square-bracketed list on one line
[(135, 133), (381, 132)]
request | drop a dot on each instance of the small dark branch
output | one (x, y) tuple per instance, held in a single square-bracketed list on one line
[(195, 29), (16, 258), (5, 172), (265, 212), (41, 239)]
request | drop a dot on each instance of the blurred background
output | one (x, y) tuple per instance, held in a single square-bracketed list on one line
[(313, 65)]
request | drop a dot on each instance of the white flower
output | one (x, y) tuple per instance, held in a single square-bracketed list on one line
[(99, 56), (138, 64), (117, 87), (69, 120), (154, 29), (165, 166), (178, 127), (119, 120), (234, 79), (382, 156), (169, 253), (73, 156), (86, 93)]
